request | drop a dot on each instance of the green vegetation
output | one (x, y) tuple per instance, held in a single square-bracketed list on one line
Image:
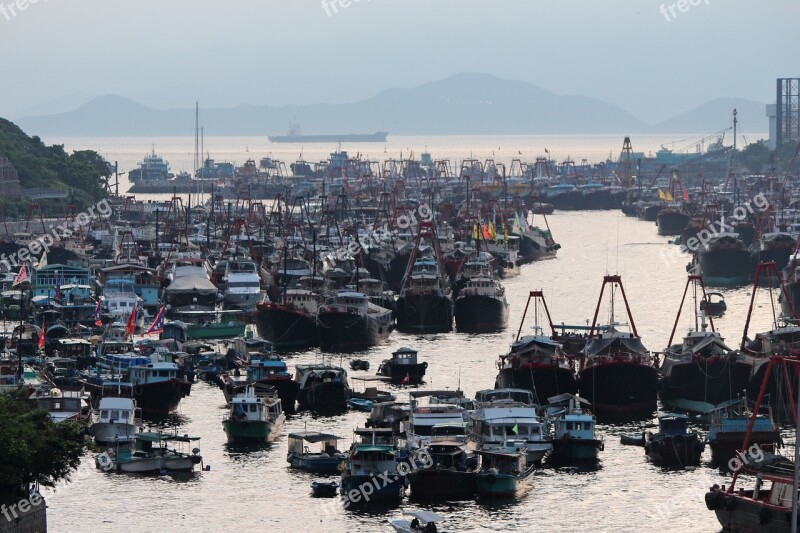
[(35, 450), (758, 158), (38, 165)]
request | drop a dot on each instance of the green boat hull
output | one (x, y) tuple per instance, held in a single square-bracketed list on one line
[(215, 331), (246, 431), (565, 450), (497, 485)]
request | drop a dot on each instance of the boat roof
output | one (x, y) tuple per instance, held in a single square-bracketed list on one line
[(313, 436), (382, 448), (116, 403), (567, 396)]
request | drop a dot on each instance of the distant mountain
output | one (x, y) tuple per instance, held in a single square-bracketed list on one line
[(460, 104), (751, 114)]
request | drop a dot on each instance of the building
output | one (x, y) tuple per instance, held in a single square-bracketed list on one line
[(786, 112)]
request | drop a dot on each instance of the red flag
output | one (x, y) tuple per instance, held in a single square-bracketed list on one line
[(685, 195), (131, 328), (42, 335), (406, 379)]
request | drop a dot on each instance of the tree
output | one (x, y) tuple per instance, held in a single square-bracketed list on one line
[(35, 450)]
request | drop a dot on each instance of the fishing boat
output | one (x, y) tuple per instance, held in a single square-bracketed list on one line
[(424, 304), (322, 388), (425, 419), (450, 476), (157, 387), (419, 522), (325, 460), (350, 321), (770, 504), (151, 454), (574, 430), (254, 418), (505, 472), (672, 220), (291, 323), (480, 300), (617, 375), (404, 367), (537, 362), (115, 421), (499, 420), (702, 371), (371, 455), (728, 427), (725, 261), (714, 304), (674, 444), (272, 372)]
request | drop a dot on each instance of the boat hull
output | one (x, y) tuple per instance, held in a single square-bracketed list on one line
[(249, 431), (316, 465), (112, 433), (424, 313), (740, 513), (386, 486), (710, 380), (286, 328), (675, 450), (343, 332), (397, 372), (324, 397), (620, 389), (726, 267), (672, 222), (480, 314), (567, 450), (432, 484), (490, 485)]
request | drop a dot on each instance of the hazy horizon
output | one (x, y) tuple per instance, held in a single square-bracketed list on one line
[(632, 54)]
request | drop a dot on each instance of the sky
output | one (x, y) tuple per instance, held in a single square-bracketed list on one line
[(653, 58)]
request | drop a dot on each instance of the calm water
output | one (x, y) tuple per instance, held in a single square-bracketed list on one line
[(256, 491)]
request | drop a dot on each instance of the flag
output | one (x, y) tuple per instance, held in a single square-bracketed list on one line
[(668, 196), (492, 232), (515, 429), (43, 260), (22, 277), (661, 195), (475, 232), (58, 287), (407, 379), (685, 195), (486, 234), (131, 327), (158, 323), (42, 335), (97, 321)]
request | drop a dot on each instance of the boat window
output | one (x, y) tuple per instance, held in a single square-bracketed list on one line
[(163, 373), (252, 408), (114, 414), (578, 426), (104, 413), (56, 406), (126, 414)]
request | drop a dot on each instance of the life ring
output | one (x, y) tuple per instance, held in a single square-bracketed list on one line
[(104, 462), (425, 365)]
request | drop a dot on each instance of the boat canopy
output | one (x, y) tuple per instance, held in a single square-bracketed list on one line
[(313, 436), (603, 346), (191, 280)]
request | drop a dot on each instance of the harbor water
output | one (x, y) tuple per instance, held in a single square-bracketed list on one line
[(254, 489)]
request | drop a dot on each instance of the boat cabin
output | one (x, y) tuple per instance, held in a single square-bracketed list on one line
[(672, 424), (325, 442), (153, 373)]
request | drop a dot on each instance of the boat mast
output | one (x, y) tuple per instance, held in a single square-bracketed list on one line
[(696, 280)]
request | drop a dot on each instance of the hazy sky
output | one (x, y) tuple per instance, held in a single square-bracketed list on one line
[(169, 53)]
